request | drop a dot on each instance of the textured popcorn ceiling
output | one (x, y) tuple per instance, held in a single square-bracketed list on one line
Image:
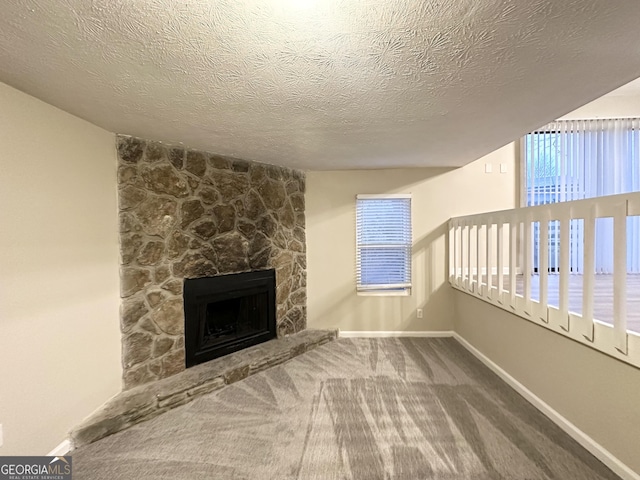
[(322, 84)]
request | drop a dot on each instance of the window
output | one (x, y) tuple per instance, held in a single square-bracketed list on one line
[(575, 159), (383, 244)]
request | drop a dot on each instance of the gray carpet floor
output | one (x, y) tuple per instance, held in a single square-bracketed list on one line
[(410, 408)]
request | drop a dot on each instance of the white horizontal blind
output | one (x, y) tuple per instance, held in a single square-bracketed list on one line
[(383, 242)]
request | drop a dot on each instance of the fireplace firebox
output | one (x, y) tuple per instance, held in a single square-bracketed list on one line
[(227, 313)]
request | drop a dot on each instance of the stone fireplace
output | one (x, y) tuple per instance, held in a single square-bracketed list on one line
[(228, 313), (186, 214)]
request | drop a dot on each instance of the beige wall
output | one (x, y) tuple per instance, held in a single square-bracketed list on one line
[(438, 194), (595, 392), (59, 332), (609, 106)]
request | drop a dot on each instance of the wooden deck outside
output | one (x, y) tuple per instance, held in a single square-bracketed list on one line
[(603, 295)]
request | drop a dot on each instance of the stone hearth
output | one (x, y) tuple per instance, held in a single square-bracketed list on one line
[(190, 214), (145, 402)]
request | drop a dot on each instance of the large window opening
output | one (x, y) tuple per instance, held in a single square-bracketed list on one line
[(577, 159)]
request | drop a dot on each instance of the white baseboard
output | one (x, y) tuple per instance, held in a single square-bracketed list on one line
[(61, 450), (393, 333), (574, 432)]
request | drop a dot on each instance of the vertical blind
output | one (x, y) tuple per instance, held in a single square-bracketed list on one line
[(383, 242), (575, 159)]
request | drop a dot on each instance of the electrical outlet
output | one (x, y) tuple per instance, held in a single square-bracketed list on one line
[(488, 168), (419, 313)]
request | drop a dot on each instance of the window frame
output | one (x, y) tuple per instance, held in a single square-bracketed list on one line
[(392, 292)]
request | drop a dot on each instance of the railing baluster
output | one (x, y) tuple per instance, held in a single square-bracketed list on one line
[(526, 252), (459, 271), (500, 258), (468, 262), (462, 250), (589, 273), (489, 291), (461, 255), (513, 259), (543, 266), (470, 247), (620, 277), (564, 272), (458, 243), (478, 261), (452, 250)]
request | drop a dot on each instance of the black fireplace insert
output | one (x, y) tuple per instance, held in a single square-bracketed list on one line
[(227, 313)]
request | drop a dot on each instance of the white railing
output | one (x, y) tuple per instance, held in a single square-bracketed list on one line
[(491, 256)]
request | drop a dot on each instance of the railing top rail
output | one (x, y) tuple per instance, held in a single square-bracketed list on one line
[(605, 206)]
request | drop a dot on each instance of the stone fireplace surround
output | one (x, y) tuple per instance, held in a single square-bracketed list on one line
[(190, 214)]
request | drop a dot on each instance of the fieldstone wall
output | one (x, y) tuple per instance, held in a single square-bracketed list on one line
[(189, 214)]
